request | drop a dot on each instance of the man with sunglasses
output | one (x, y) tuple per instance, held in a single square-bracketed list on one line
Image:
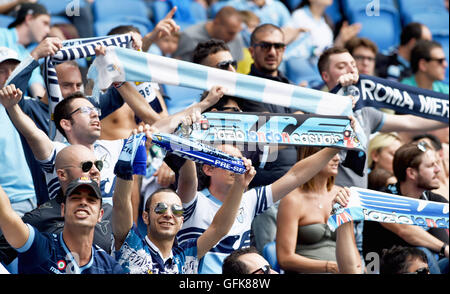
[(428, 64), (70, 251), (416, 168), (72, 162), (246, 261), (164, 216), (403, 260)]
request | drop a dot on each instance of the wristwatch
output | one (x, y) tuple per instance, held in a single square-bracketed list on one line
[(442, 251)]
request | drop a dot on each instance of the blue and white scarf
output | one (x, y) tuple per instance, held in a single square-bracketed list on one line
[(377, 206), (406, 99), (73, 49)]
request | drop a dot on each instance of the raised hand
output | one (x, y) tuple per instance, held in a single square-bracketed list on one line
[(47, 47), (10, 96), (215, 94)]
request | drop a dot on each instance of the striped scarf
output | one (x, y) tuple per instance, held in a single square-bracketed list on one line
[(72, 50)]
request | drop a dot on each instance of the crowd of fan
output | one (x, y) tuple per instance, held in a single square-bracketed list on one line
[(60, 203)]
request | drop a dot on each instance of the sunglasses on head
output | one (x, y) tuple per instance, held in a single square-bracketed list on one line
[(265, 270), (420, 271), (226, 64), (422, 146), (161, 208), (267, 46)]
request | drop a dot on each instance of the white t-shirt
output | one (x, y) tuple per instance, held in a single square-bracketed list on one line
[(200, 212), (320, 32), (106, 150)]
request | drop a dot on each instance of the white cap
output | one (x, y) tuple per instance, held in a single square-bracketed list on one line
[(7, 53)]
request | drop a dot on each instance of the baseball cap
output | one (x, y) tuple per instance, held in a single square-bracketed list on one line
[(8, 54), (84, 182), (25, 9)]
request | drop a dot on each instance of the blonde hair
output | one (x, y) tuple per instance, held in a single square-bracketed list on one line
[(380, 141)]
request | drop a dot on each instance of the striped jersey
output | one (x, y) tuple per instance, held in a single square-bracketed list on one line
[(106, 150), (200, 212), (138, 255)]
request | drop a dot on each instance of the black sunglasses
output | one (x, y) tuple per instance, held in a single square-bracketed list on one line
[(161, 208), (226, 64), (267, 46), (420, 271), (439, 60), (265, 269), (87, 165)]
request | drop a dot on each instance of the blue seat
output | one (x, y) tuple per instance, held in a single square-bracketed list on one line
[(57, 19), (56, 6), (383, 29), (179, 98), (334, 11), (213, 9), (435, 19), (408, 8), (195, 13), (5, 20), (299, 69), (101, 28), (106, 10), (270, 254), (355, 6)]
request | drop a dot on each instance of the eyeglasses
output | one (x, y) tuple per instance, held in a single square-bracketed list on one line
[(86, 109), (439, 60), (265, 270), (266, 46), (87, 165), (420, 271), (229, 108), (226, 64), (362, 58), (161, 208)]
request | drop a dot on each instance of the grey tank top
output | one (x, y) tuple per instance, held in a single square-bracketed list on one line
[(316, 241)]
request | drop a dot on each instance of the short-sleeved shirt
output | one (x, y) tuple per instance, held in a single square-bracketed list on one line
[(46, 253), (106, 150), (438, 86), (9, 38), (138, 255), (200, 212), (371, 121), (195, 34)]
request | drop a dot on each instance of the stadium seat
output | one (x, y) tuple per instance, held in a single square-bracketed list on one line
[(384, 29), (101, 28), (408, 8), (352, 6), (106, 10), (213, 9), (56, 19), (56, 6), (270, 254), (197, 13), (334, 12), (299, 69), (5, 20), (435, 19), (179, 98)]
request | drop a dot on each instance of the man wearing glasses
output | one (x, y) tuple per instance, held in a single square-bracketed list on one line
[(416, 169), (404, 260), (428, 64), (246, 261), (71, 163), (157, 253)]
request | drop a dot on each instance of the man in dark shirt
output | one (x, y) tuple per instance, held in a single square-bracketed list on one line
[(416, 168), (395, 66)]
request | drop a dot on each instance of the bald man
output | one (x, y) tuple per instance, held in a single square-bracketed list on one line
[(226, 26), (72, 162)]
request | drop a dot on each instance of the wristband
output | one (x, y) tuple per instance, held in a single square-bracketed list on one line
[(117, 85)]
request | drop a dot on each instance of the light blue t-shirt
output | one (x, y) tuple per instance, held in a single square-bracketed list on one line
[(15, 176), (8, 38)]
